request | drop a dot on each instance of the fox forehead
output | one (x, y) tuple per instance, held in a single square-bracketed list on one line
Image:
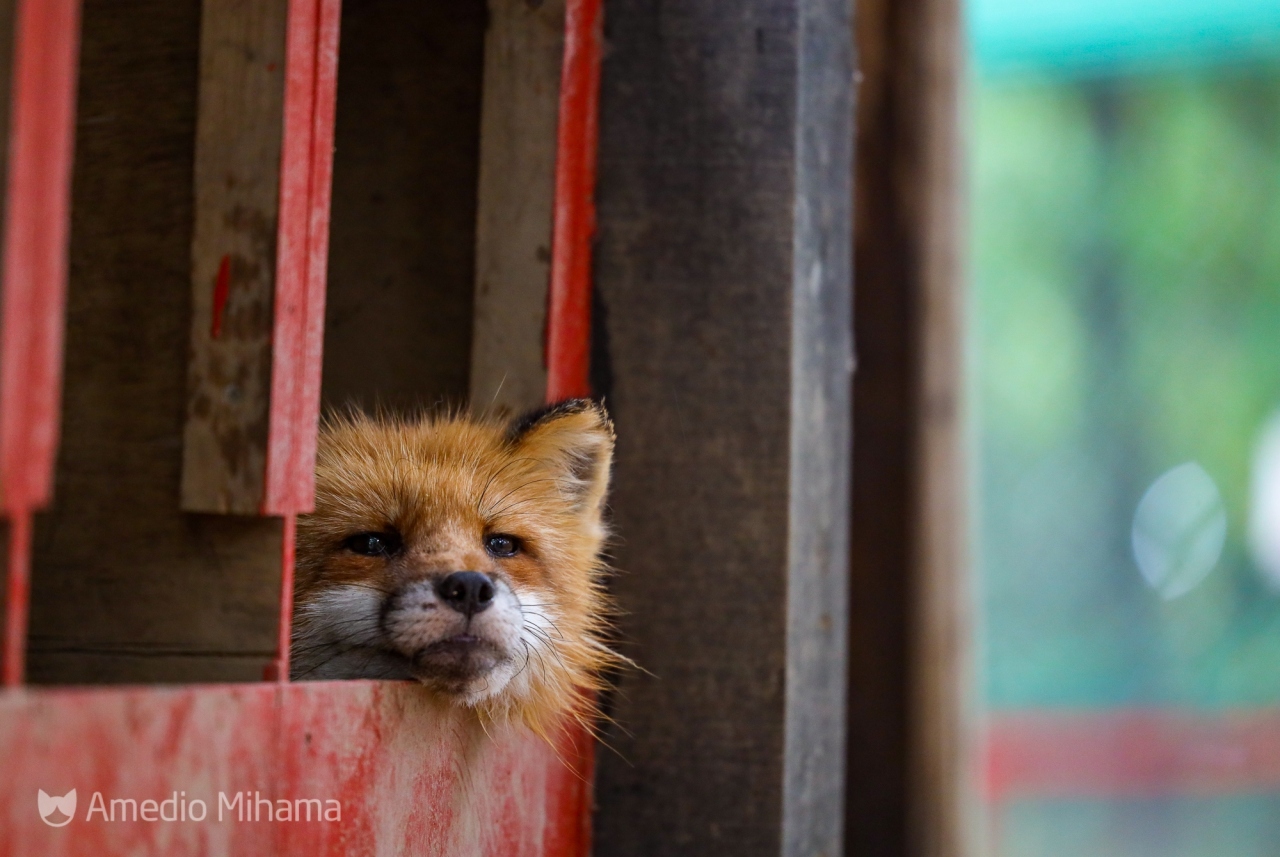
[(430, 480)]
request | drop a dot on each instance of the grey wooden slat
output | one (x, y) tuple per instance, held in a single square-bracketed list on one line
[(726, 410)]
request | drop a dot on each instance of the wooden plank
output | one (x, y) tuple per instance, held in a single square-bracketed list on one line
[(909, 727), (237, 180), (306, 170), (718, 181), (524, 48), (944, 795), (117, 564), (569, 294), (410, 777), (402, 261), (33, 304), (821, 387)]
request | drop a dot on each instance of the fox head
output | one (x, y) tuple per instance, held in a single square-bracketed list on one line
[(464, 554)]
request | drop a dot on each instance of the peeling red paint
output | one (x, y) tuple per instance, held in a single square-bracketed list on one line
[(221, 290), (568, 332), (411, 777)]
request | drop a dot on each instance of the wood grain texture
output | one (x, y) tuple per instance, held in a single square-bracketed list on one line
[(398, 324), (821, 387), (524, 47), (233, 254), (117, 564), (910, 636), (701, 177)]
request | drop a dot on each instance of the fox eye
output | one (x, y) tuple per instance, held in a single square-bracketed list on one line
[(501, 545), (374, 544)]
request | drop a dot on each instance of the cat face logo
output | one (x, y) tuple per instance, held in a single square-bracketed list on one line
[(61, 806)]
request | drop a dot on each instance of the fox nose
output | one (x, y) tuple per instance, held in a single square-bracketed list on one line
[(468, 592)]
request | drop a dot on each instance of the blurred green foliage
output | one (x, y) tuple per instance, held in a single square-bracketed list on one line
[(1125, 270)]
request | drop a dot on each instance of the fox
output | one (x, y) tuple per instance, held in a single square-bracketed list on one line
[(463, 553)]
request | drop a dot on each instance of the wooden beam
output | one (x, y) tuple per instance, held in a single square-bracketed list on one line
[(524, 48), (33, 305), (723, 270), (233, 254), (910, 676)]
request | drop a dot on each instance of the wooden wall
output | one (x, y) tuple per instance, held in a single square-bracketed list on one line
[(403, 240), (125, 586)]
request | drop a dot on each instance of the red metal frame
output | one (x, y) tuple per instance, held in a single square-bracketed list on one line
[(42, 135), (569, 301)]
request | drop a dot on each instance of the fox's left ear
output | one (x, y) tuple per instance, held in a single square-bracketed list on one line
[(575, 437)]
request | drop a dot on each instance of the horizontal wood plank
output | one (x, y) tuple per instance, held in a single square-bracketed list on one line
[(410, 776)]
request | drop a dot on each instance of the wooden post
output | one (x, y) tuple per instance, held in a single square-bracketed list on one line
[(724, 278), (33, 305), (912, 777)]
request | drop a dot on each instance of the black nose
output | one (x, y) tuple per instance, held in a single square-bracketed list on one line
[(468, 592)]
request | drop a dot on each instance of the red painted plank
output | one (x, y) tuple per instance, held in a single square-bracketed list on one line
[(33, 305), (409, 778), (302, 253), (1132, 753), (306, 173), (569, 304)]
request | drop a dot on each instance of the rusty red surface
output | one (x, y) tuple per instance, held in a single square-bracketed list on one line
[(306, 167), (569, 300), (1132, 753), (33, 305), (407, 779)]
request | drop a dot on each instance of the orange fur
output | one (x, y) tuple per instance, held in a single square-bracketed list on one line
[(439, 487)]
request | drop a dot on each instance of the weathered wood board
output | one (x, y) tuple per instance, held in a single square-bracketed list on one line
[(233, 254), (723, 277), (393, 773)]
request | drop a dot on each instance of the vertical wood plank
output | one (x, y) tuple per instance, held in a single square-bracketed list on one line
[(237, 178), (909, 707), (37, 219), (33, 304), (821, 387), (569, 295), (524, 48), (944, 810), (723, 266), (306, 175)]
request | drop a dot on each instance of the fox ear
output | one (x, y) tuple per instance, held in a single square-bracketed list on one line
[(575, 437)]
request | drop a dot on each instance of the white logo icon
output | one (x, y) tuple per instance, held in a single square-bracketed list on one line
[(66, 805)]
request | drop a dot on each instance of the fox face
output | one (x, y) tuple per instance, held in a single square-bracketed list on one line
[(460, 553)]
